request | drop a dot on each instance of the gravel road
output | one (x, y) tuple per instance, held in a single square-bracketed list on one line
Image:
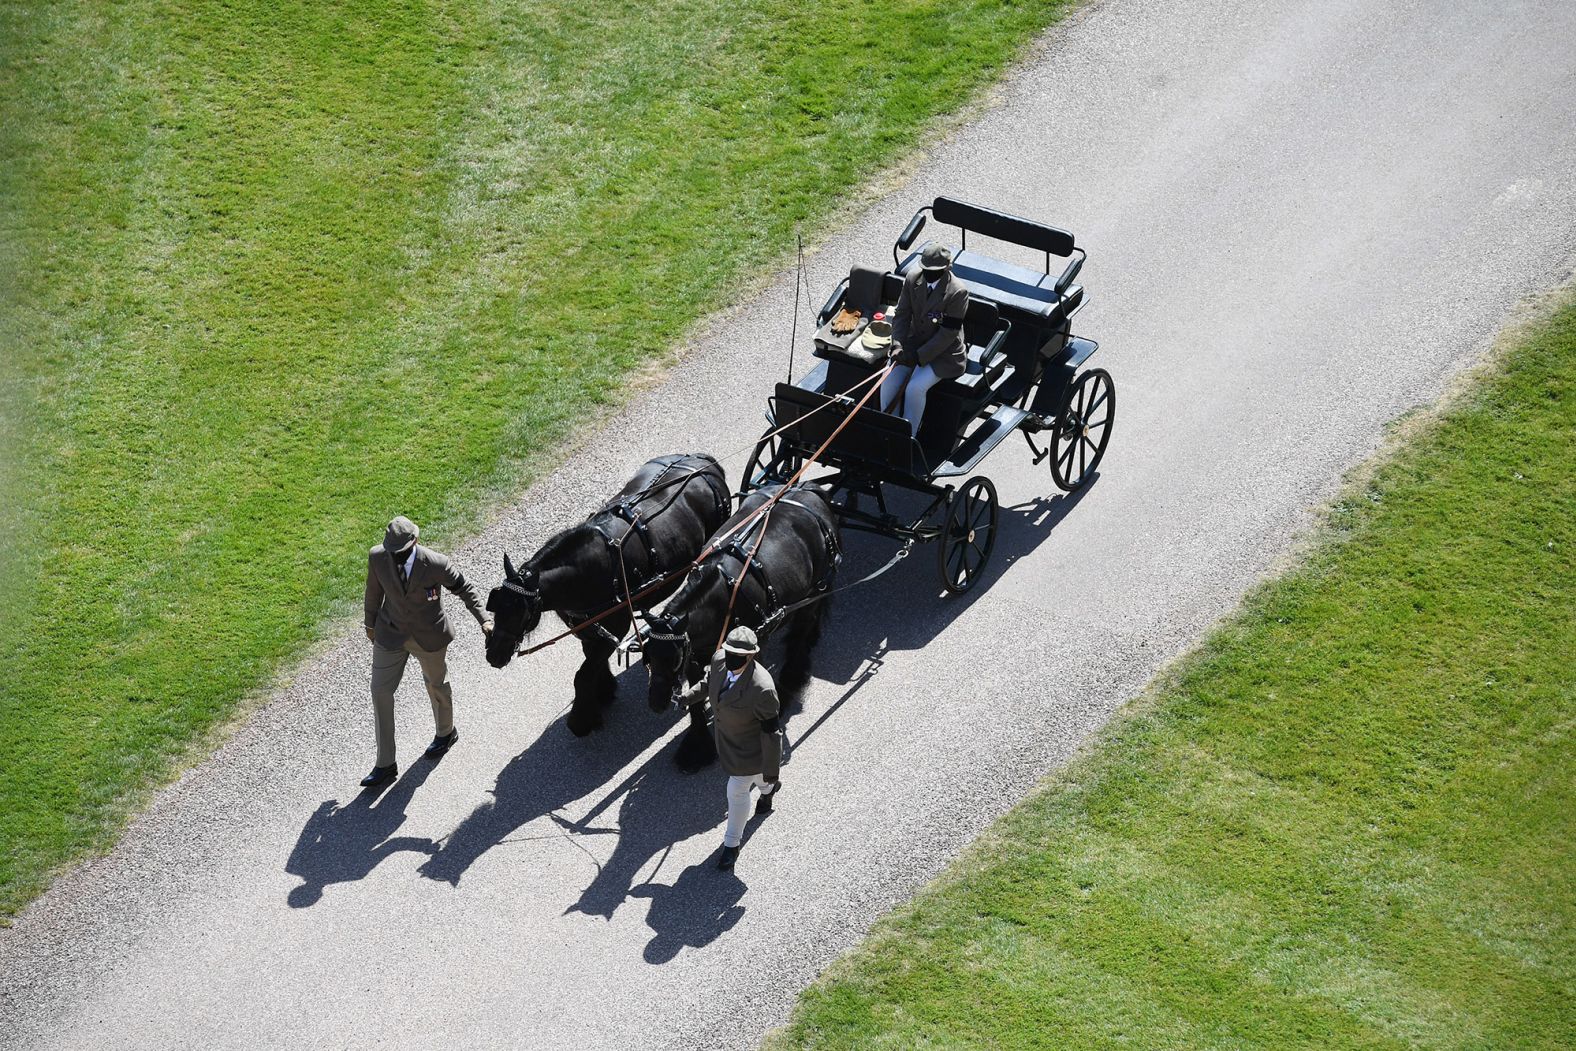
[(1302, 219)]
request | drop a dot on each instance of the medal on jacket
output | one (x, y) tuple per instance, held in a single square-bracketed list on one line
[(432, 594)]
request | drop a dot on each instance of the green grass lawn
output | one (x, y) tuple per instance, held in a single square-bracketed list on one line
[(1348, 821), (272, 272)]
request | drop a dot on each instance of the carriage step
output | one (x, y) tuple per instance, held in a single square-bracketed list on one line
[(981, 441)]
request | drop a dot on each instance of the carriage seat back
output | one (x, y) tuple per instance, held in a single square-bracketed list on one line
[(1003, 227), (980, 324), (864, 290), (870, 289)]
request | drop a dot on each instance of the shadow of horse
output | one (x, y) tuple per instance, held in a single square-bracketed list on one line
[(657, 807), (905, 608), (554, 771), (344, 843)]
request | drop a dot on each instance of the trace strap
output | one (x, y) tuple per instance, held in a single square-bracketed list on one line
[(778, 615)]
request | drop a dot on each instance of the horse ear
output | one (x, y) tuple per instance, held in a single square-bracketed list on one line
[(508, 567)]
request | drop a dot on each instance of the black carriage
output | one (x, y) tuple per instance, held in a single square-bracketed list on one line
[(1025, 374)]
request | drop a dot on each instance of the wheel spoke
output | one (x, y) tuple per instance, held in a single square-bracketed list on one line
[(1068, 455), (1083, 465), (1100, 400), (956, 557)]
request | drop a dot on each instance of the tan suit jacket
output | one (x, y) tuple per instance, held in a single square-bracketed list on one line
[(743, 719), (396, 611), (928, 326)]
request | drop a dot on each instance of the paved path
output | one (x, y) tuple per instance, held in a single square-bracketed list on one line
[(1302, 218)]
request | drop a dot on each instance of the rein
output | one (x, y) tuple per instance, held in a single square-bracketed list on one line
[(744, 572)]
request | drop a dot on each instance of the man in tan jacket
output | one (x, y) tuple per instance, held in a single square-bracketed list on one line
[(405, 618), (744, 711)]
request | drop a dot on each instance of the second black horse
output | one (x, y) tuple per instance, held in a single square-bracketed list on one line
[(774, 571)]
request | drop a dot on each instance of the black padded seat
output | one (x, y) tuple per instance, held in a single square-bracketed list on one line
[(1008, 284), (977, 375), (865, 287), (979, 328)]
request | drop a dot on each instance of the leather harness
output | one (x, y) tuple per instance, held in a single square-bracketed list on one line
[(769, 616), (630, 581)]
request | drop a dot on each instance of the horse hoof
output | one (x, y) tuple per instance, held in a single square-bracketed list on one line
[(695, 753), (583, 723)]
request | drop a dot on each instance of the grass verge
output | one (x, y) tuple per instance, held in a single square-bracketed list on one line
[(273, 271), (1348, 820)]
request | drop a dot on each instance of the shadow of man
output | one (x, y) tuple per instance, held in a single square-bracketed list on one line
[(701, 906), (661, 806), (344, 843), (554, 770)]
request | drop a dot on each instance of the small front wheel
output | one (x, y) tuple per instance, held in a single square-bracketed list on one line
[(1083, 429), (969, 534)]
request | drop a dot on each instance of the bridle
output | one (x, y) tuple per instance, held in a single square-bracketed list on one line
[(650, 634), (529, 594), (522, 590)]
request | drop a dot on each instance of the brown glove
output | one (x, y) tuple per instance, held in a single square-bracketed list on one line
[(846, 321)]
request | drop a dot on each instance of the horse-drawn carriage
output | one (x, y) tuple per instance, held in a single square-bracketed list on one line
[(1025, 374), (671, 551)]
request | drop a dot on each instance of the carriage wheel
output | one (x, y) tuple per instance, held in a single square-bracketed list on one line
[(969, 534), (771, 461), (1083, 429)]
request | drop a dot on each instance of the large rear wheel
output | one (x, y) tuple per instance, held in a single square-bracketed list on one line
[(969, 534), (1083, 429)]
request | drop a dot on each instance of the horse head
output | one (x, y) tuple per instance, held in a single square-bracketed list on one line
[(665, 650), (516, 606)]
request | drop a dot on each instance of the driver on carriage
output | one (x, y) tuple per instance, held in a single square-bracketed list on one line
[(927, 335)]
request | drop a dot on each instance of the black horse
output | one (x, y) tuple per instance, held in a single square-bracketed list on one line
[(661, 520), (792, 555)]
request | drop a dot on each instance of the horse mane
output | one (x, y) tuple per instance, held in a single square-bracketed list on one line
[(560, 544)]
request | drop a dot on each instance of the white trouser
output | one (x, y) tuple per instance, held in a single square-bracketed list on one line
[(920, 380), (739, 789)]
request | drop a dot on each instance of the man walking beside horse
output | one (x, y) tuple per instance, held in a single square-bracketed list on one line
[(744, 711), (404, 618)]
